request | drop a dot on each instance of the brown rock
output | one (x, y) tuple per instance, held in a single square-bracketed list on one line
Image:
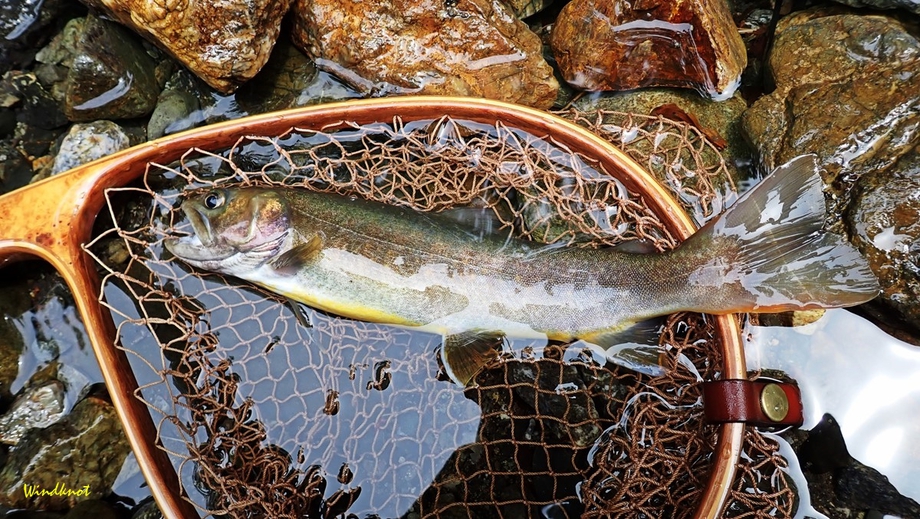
[(223, 43), (845, 87), (885, 225), (627, 44), (454, 47)]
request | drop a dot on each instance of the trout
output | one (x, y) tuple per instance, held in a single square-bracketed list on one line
[(375, 262)]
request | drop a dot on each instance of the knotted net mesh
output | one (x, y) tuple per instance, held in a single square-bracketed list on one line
[(269, 409)]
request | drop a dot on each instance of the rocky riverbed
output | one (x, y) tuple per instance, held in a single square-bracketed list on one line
[(763, 85)]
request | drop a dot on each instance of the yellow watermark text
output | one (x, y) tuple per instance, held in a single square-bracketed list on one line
[(60, 489)]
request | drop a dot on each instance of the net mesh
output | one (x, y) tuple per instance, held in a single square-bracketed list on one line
[(273, 410)]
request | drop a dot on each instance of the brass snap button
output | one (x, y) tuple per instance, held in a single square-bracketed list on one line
[(774, 402)]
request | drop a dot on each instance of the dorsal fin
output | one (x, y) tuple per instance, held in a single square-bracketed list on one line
[(290, 262)]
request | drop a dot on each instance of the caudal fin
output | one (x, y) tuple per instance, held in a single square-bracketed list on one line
[(774, 253)]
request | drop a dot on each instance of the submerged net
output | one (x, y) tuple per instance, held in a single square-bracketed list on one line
[(272, 410)]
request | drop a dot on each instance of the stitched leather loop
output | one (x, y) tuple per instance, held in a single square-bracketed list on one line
[(759, 402)]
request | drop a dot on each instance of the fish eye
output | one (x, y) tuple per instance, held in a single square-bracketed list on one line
[(214, 199)]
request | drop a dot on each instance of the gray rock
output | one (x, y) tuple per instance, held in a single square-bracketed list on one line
[(176, 107), (35, 408), (82, 453), (61, 49), (908, 5), (111, 75), (87, 142)]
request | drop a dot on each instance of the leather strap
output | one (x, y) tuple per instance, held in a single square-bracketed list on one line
[(759, 402)]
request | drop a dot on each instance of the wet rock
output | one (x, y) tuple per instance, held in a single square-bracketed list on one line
[(17, 17), (840, 485), (15, 170), (35, 408), (55, 59), (148, 510), (13, 302), (7, 122), (463, 47), (82, 453), (176, 106), (525, 8), (87, 142), (845, 88), (111, 75), (623, 45), (557, 390), (289, 79), (908, 5), (223, 43), (27, 24), (885, 225), (61, 49), (39, 109), (33, 141), (91, 509)]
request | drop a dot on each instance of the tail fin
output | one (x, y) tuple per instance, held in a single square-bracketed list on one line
[(775, 255)]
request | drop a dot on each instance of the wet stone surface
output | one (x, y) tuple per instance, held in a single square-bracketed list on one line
[(87, 142), (909, 5), (86, 450), (885, 224), (223, 43), (468, 48), (111, 75), (35, 408), (841, 486), (835, 97), (835, 94), (622, 45)]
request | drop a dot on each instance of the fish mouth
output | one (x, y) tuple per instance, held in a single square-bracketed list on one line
[(202, 245)]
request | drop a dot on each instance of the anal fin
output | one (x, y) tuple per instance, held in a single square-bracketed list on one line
[(466, 353), (635, 347)]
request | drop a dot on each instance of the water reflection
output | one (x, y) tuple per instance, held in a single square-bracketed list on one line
[(869, 381)]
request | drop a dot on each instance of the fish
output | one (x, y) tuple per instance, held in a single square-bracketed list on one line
[(382, 263)]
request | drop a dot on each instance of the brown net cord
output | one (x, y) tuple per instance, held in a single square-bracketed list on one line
[(266, 417)]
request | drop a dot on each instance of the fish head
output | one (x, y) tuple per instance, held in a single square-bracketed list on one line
[(235, 230)]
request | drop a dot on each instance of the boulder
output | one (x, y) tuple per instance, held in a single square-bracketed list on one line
[(623, 45), (224, 43), (458, 47)]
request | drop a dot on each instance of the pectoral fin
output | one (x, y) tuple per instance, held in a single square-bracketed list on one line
[(290, 262), (464, 354)]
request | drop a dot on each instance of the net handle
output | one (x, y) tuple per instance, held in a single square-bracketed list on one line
[(51, 220)]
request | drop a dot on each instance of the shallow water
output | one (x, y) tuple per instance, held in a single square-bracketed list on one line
[(869, 382)]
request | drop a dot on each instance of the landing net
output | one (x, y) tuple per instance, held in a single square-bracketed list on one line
[(263, 416)]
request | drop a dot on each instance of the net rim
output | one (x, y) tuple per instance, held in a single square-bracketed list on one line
[(77, 197)]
